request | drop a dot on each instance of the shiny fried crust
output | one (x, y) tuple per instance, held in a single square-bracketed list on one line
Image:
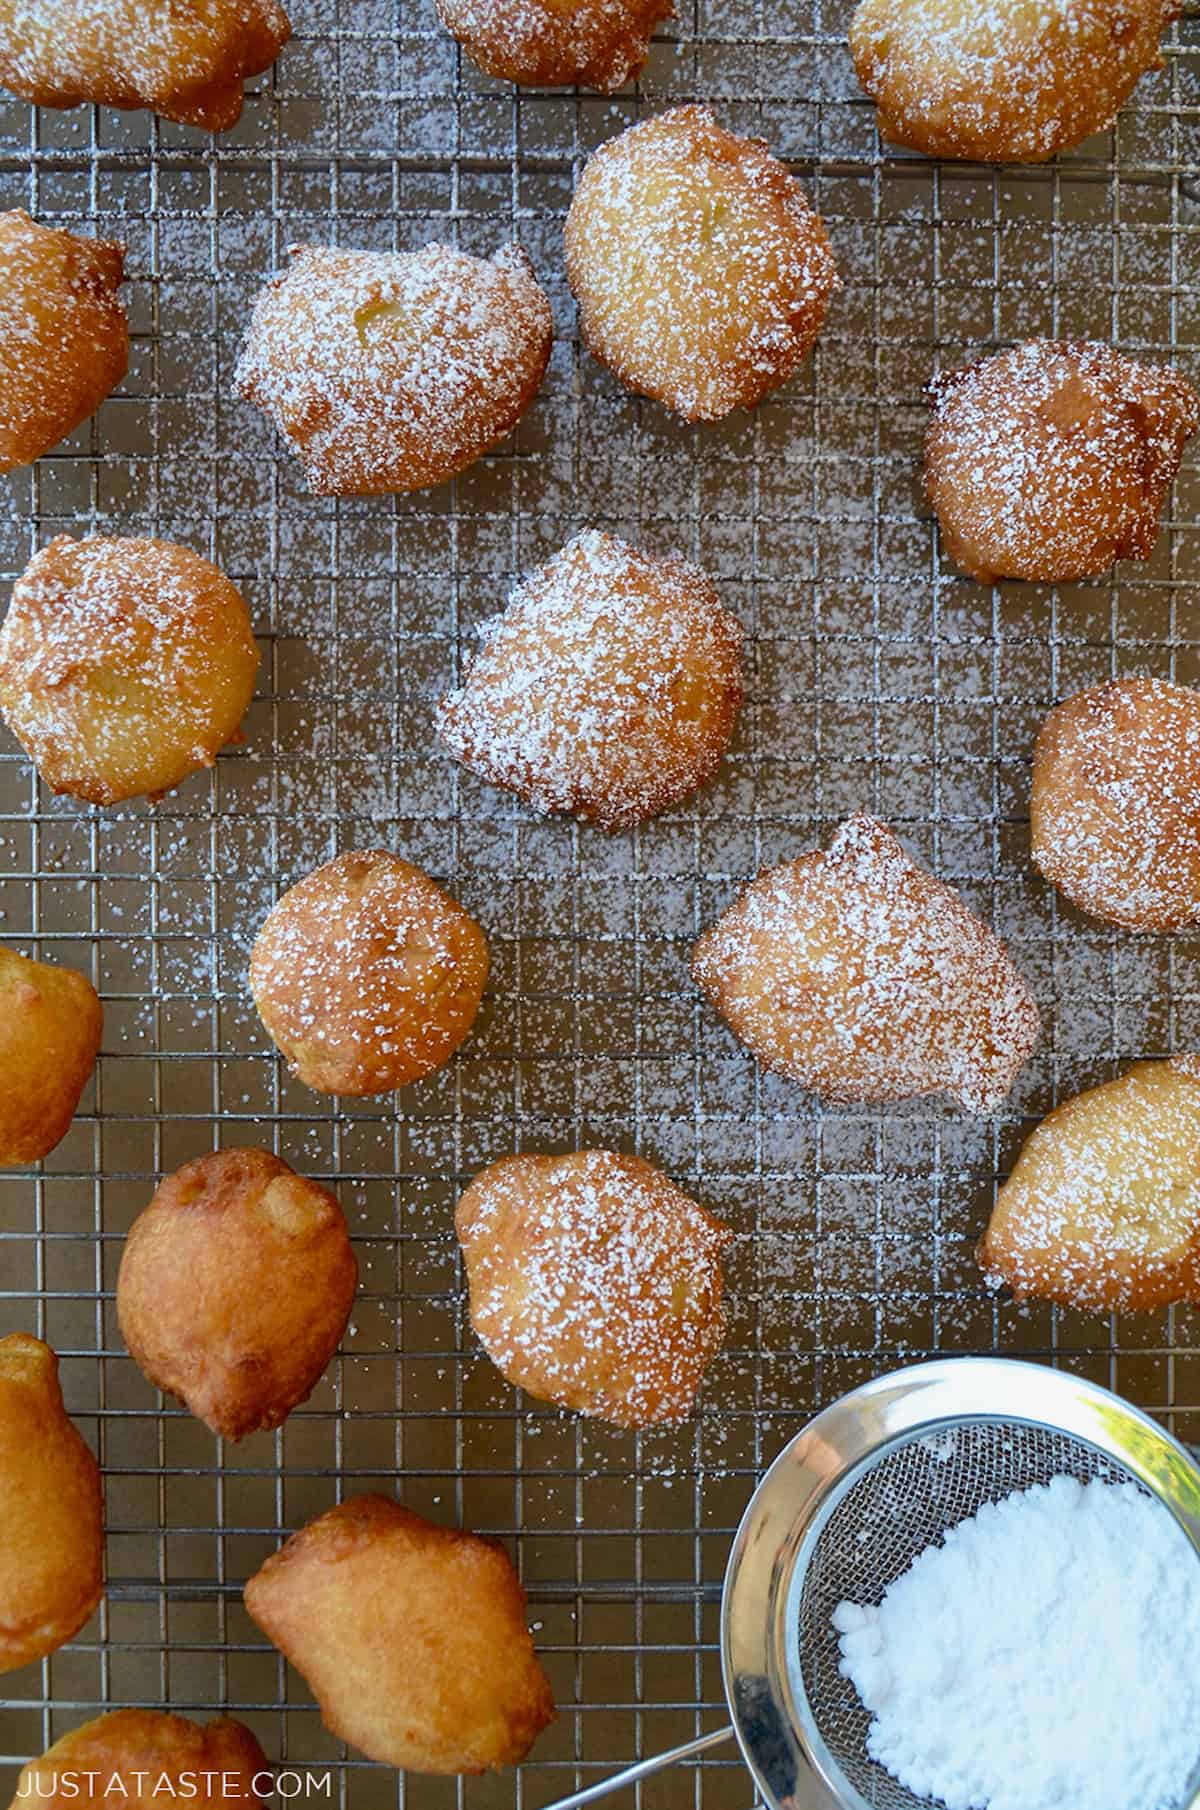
[(367, 975), (51, 1510), (148, 1757), (598, 44), (860, 975), (701, 272), (392, 371), (1053, 460), (125, 665), (411, 1637), (186, 62), (1015, 81), (1115, 807), (64, 339), (595, 1283), (608, 688), (1102, 1209), (50, 1025), (235, 1287)]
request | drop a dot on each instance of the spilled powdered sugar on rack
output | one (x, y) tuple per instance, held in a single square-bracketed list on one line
[(876, 679)]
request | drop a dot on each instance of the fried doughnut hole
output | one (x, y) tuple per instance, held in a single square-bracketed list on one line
[(598, 44), (64, 339), (50, 1025), (125, 665), (701, 272), (860, 975), (148, 1757), (1102, 1209), (609, 687), (1012, 82), (1115, 807), (235, 1287), (185, 62), (1052, 460), (391, 371), (411, 1637), (595, 1283), (367, 975), (51, 1509)]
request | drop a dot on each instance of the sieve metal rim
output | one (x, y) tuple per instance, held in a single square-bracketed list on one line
[(811, 1475)]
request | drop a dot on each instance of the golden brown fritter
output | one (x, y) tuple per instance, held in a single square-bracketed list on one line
[(184, 59), (367, 975), (64, 339), (411, 1637), (1009, 81), (1115, 808), (391, 371), (235, 1287), (595, 1283), (1052, 460), (701, 272), (1102, 1209), (51, 1510), (147, 1758), (863, 977), (608, 688), (598, 44), (50, 1025), (125, 666)]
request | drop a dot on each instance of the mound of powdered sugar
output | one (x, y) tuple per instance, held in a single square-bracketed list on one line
[(1041, 1658)]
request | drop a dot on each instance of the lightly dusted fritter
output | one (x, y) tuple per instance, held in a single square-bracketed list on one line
[(609, 687)]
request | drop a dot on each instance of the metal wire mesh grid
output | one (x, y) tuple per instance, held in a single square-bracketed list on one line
[(876, 677), (902, 1503)]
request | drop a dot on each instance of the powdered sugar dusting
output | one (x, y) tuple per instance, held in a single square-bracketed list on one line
[(1003, 80), (1052, 460), (392, 371), (609, 687), (701, 272), (1115, 808), (367, 974), (859, 974), (595, 1282), (1102, 1209), (186, 62), (595, 43)]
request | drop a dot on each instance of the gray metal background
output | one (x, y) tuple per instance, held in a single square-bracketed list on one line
[(876, 677)]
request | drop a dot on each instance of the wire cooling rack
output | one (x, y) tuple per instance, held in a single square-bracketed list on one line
[(876, 676)]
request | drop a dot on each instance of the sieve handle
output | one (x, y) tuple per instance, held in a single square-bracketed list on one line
[(642, 1770)]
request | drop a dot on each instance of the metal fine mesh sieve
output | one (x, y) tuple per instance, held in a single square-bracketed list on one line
[(902, 1502)]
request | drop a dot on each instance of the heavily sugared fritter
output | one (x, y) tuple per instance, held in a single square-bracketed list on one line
[(1052, 460), (50, 1025), (125, 666), (186, 62), (1102, 1209), (139, 1759), (235, 1287), (598, 44), (64, 339), (367, 975), (1009, 81), (391, 371), (863, 977), (595, 1283), (51, 1509), (701, 272), (1115, 808), (608, 688), (411, 1637)]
